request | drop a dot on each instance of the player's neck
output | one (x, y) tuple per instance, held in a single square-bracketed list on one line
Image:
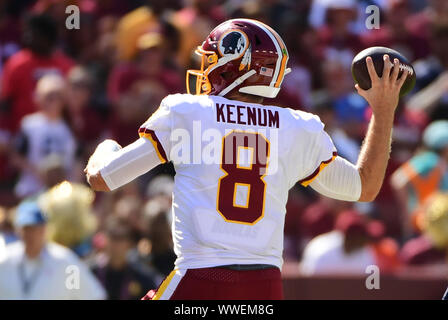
[(245, 98)]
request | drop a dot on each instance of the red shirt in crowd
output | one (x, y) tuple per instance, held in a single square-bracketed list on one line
[(125, 75), (19, 78), (412, 45)]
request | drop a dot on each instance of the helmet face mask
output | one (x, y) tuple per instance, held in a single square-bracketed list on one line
[(240, 55), (209, 59)]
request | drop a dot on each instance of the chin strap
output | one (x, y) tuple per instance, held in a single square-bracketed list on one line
[(237, 82)]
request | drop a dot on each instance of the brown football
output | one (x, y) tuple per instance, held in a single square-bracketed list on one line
[(361, 74)]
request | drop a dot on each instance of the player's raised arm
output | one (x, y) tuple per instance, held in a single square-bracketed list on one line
[(362, 182), (383, 99)]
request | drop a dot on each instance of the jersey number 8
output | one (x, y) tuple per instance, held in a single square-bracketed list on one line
[(247, 176)]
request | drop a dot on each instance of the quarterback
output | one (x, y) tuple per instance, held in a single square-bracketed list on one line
[(229, 203)]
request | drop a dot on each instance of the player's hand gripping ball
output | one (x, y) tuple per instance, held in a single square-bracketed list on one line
[(361, 74)]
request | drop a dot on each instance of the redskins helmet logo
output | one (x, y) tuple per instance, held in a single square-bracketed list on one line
[(233, 43)]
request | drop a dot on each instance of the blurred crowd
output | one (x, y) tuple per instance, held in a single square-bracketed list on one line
[(62, 91)]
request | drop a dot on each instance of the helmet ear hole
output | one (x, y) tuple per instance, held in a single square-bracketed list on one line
[(257, 41), (226, 75)]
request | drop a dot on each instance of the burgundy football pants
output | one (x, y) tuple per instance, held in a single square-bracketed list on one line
[(220, 283)]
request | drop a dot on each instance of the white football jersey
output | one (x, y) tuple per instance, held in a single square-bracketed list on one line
[(44, 137), (235, 163)]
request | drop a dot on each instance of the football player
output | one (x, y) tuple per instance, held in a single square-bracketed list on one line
[(236, 159)]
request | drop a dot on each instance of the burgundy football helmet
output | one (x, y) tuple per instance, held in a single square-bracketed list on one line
[(241, 55)]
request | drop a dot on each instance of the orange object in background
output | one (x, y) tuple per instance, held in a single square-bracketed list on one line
[(424, 187)]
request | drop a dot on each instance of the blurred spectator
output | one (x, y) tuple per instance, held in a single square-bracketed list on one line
[(408, 126), (435, 221), (354, 245), (336, 34), (130, 27), (107, 203), (318, 12), (7, 232), (71, 222), (147, 65), (43, 133), (35, 269), (431, 88), (18, 79), (123, 278), (432, 246), (317, 218), (347, 147), (435, 13), (10, 30), (52, 170), (194, 23), (396, 35), (298, 199), (162, 185), (101, 55), (421, 251), (431, 101), (158, 250), (431, 67), (86, 123), (136, 88), (423, 175), (129, 208), (2, 246), (350, 108), (26, 67)]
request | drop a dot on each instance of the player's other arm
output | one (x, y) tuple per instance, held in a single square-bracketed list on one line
[(111, 166), (383, 99)]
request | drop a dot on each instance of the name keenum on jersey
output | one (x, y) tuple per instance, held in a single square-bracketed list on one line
[(247, 115)]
